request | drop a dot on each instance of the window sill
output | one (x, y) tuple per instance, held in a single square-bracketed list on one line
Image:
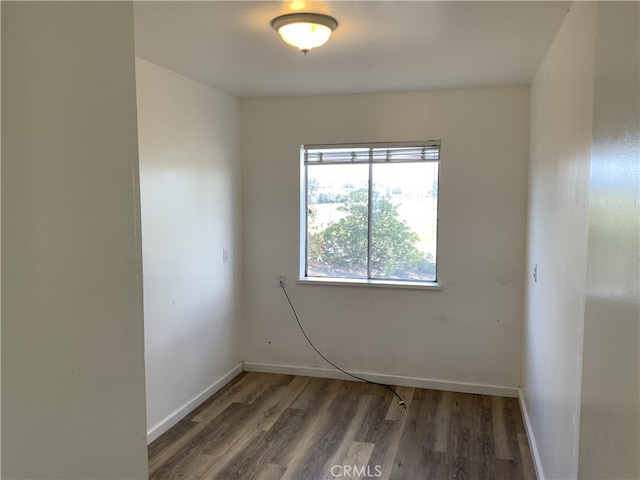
[(348, 282)]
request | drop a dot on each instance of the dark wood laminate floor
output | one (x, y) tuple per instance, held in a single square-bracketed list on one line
[(276, 427)]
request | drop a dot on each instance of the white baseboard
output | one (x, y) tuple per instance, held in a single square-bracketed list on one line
[(451, 386), (532, 440), (178, 414)]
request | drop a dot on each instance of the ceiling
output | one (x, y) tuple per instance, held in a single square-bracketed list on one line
[(379, 46)]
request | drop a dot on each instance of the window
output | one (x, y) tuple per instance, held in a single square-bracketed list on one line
[(369, 212)]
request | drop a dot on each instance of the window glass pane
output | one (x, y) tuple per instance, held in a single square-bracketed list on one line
[(337, 242), (404, 221)]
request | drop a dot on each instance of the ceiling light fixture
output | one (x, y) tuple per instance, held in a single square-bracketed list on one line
[(305, 30)]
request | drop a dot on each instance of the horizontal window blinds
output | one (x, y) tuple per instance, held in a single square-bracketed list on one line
[(372, 153)]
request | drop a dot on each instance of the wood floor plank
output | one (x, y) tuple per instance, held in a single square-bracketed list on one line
[(289, 394), (226, 450), (385, 433), (501, 440), (306, 397), (220, 440), (365, 404), (356, 460), (416, 456), (346, 399), (262, 449), (283, 427), (193, 467), (508, 469), (234, 385), (443, 419), (246, 391), (323, 442), (168, 444), (371, 424), (338, 429), (197, 468), (271, 472), (511, 411), (281, 379), (483, 458), (460, 436), (161, 468), (386, 444), (234, 462), (395, 410), (388, 435), (223, 435), (317, 419), (525, 455), (169, 438)]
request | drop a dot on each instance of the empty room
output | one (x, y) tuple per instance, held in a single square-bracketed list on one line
[(405, 245)]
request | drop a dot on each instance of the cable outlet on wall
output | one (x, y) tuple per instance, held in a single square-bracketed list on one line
[(281, 281)]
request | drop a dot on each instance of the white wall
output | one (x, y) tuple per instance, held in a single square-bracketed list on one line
[(0, 247), (610, 414), (190, 194), (72, 334), (470, 332), (560, 147), (581, 359)]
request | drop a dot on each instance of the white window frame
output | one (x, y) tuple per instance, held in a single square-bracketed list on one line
[(427, 146)]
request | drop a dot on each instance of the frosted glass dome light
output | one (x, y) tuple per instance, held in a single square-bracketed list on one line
[(305, 30)]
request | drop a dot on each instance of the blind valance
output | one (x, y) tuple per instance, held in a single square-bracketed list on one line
[(400, 152)]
